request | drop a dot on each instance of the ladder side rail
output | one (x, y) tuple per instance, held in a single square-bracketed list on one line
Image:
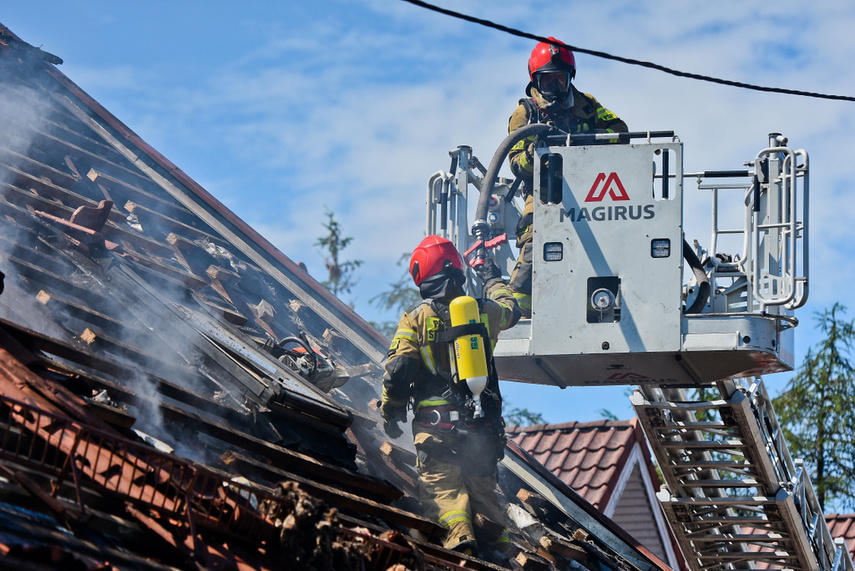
[(773, 435), (785, 477), (798, 481), (824, 544), (754, 412), (794, 477)]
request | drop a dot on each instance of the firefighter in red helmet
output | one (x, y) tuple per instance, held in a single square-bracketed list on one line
[(553, 99), (457, 450)]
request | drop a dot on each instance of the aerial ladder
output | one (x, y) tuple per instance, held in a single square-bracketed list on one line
[(620, 297)]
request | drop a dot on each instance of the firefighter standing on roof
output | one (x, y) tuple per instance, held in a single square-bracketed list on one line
[(457, 452), (553, 99)]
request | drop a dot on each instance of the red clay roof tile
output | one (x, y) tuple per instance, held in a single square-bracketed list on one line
[(587, 456)]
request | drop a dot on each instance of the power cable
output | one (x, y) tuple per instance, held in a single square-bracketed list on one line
[(629, 61)]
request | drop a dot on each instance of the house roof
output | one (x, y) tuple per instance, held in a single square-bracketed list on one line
[(587, 456), (599, 460), (174, 388)]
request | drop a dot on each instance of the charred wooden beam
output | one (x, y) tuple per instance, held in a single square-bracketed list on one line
[(219, 307), (190, 254), (54, 199), (168, 275), (155, 223), (364, 486), (117, 231), (38, 169), (348, 500), (138, 195), (398, 455)]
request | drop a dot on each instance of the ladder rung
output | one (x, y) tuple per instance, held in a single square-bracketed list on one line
[(735, 520), (692, 425), (707, 444), (750, 556), (771, 538), (712, 464), (692, 405), (746, 483), (725, 501)]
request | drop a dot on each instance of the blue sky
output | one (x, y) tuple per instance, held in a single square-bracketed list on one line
[(282, 110)]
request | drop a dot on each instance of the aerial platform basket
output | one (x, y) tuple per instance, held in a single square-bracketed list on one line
[(619, 297)]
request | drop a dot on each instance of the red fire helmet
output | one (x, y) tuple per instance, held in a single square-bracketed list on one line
[(431, 256), (548, 57)]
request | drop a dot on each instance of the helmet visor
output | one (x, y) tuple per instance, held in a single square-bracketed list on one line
[(553, 83)]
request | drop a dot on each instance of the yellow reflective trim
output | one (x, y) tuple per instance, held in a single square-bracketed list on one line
[(429, 361), (424, 403), (523, 300), (454, 516), (525, 164), (408, 334)]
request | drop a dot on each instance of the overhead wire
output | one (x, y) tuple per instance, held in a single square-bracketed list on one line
[(630, 61)]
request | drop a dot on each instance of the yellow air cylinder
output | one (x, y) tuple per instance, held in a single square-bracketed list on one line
[(469, 349)]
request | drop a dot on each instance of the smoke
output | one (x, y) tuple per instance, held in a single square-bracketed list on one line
[(25, 113)]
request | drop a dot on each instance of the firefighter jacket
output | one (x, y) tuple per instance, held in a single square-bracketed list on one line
[(420, 369), (457, 455), (585, 115)]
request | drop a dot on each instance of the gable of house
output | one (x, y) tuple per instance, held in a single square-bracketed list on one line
[(607, 463)]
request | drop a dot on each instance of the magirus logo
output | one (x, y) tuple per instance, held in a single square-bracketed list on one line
[(608, 186)]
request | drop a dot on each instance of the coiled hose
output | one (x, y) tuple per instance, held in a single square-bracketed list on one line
[(481, 229)]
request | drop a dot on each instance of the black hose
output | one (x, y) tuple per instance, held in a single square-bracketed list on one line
[(700, 275), (480, 227)]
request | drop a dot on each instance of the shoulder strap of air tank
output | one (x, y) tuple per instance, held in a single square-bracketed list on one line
[(531, 109), (456, 331)]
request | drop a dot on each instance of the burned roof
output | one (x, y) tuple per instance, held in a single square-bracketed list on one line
[(176, 392)]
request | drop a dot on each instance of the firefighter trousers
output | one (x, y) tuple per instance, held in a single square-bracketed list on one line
[(458, 483), (520, 282)]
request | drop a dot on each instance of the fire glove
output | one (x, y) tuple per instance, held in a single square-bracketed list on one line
[(392, 429), (488, 271), (391, 419)]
